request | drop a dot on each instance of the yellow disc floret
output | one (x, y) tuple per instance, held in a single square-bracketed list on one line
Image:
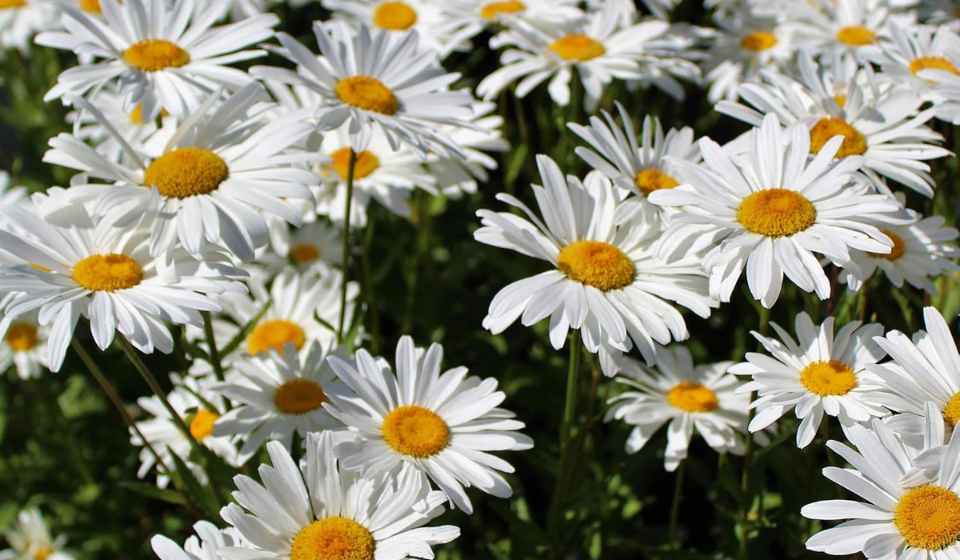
[(299, 396), (43, 553), (333, 538), (922, 63), (415, 431), (91, 6), (186, 172), (653, 179), (395, 16), (897, 251), (854, 142), (367, 163), (12, 4), (368, 93), (491, 10), (856, 36), (152, 55), (107, 273), (201, 426), (303, 253), (828, 378), (951, 412), (274, 334), (597, 264), (758, 41), (577, 48), (690, 396), (21, 337), (776, 213), (928, 517)]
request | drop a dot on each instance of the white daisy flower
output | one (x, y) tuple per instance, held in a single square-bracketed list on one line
[(771, 209), (922, 250), (744, 45), (637, 167), (30, 540), (880, 124), (21, 19), (224, 169), (206, 544), (456, 176), (606, 277), (821, 371), (896, 520), (916, 48), (945, 91), (939, 12), (854, 27), (398, 17), (199, 408), (319, 511), (10, 196), (24, 347), (160, 53), (108, 276), (278, 395), (466, 19), (600, 48), (442, 424), (371, 79), (701, 399), (132, 126), (315, 244), (924, 369)]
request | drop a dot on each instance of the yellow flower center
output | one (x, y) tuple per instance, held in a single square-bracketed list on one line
[(274, 334), (333, 538), (828, 378), (21, 337), (151, 55), (932, 63), (201, 426), (597, 264), (367, 163), (92, 6), (577, 47), (690, 396), (107, 273), (12, 4), (653, 179), (758, 41), (415, 431), (854, 142), (491, 10), (840, 99), (856, 36), (899, 248), (136, 116), (368, 93), (299, 396), (395, 16), (186, 172), (776, 213), (928, 517), (43, 553), (303, 253), (951, 412)]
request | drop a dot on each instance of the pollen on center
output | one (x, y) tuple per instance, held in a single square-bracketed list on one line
[(776, 213), (367, 93), (598, 264), (367, 162), (107, 273), (91, 6), (854, 142), (415, 431), (299, 396), (21, 337), (928, 517), (303, 253), (333, 538), (274, 334), (690, 396), (856, 36), (577, 47), (951, 412), (395, 16), (826, 378), (654, 179), (758, 41), (12, 4), (922, 63), (491, 10), (897, 251), (153, 55), (202, 423), (186, 172)]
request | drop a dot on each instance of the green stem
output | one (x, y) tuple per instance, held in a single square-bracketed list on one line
[(748, 459), (348, 210), (570, 402), (368, 293), (675, 506), (567, 454), (212, 345)]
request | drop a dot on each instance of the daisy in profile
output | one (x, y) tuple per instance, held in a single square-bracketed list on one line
[(108, 276), (923, 369), (221, 172), (206, 544), (314, 245), (916, 48), (397, 17), (769, 210), (24, 346), (371, 79), (199, 408), (945, 91), (854, 27), (637, 167), (468, 18), (883, 125), (30, 539), (743, 46), (605, 277), (277, 395), (320, 511), (818, 372), (599, 48), (922, 250), (701, 399), (898, 518), (20, 20), (162, 54), (442, 424)]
